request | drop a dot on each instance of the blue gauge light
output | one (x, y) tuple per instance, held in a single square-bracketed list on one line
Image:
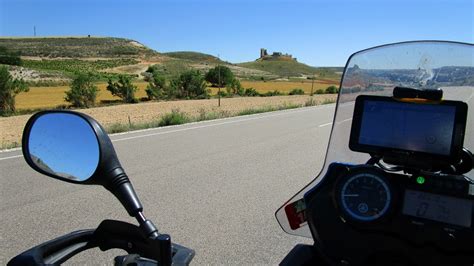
[(365, 197)]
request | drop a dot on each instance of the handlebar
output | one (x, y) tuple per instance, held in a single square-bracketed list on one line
[(109, 234)]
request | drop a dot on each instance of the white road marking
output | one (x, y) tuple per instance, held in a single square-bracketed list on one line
[(11, 157), (10, 150), (249, 118), (211, 125), (330, 123), (327, 124)]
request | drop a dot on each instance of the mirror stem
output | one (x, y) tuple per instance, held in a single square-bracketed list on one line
[(147, 226)]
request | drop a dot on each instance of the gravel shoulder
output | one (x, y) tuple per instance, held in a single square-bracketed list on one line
[(11, 128)]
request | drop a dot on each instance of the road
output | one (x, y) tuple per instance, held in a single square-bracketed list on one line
[(213, 186)]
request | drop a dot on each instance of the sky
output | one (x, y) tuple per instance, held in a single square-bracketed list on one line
[(318, 33)]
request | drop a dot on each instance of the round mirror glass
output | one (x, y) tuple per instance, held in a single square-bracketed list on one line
[(64, 145)]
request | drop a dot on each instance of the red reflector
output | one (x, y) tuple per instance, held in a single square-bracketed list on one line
[(295, 212)]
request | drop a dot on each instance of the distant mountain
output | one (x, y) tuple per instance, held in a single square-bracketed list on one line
[(76, 47), (38, 162)]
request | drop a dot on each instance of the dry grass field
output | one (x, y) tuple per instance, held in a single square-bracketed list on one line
[(50, 97)]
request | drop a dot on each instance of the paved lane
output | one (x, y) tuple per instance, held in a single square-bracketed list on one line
[(214, 186)]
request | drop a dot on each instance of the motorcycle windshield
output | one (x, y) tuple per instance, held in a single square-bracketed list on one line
[(377, 71)]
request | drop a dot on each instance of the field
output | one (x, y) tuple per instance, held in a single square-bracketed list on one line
[(51, 97), (74, 65), (287, 86)]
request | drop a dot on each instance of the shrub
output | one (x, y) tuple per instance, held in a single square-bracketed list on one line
[(83, 92), (271, 93), (220, 76), (9, 88), (190, 84), (319, 91), (331, 89), (296, 91), (251, 92), (174, 118), (224, 94), (123, 88)]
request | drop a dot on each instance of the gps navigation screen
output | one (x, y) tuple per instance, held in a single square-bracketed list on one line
[(406, 126)]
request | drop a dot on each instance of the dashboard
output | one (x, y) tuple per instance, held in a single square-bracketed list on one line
[(360, 213)]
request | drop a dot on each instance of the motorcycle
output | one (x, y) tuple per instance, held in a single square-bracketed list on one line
[(396, 188)]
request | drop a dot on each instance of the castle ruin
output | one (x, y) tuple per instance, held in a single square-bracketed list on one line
[(274, 56)]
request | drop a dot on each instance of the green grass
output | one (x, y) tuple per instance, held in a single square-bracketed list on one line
[(283, 68), (268, 109), (173, 67)]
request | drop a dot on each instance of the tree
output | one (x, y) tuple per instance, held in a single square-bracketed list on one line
[(190, 84), (156, 88), (235, 88), (220, 74), (9, 88), (83, 92), (123, 88), (331, 89)]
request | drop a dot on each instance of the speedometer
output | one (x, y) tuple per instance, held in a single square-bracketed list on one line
[(364, 196)]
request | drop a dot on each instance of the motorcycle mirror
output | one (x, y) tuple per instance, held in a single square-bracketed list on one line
[(62, 145), (73, 147)]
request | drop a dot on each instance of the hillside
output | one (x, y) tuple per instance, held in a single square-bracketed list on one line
[(283, 68), (49, 60), (194, 56), (76, 47)]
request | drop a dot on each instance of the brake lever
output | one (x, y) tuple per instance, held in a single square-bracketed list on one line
[(116, 234)]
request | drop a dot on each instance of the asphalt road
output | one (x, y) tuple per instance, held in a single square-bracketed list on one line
[(213, 186)]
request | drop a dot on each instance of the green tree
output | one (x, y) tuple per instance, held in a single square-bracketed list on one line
[(83, 91), (220, 74), (235, 87), (123, 88), (190, 84), (156, 88), (9, 88)]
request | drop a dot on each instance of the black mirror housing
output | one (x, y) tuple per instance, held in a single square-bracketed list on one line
[(109, 172)]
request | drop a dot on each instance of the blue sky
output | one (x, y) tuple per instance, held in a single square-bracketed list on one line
[(319, 33)]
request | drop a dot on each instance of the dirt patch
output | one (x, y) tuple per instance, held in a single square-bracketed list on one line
[(11, 128)]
